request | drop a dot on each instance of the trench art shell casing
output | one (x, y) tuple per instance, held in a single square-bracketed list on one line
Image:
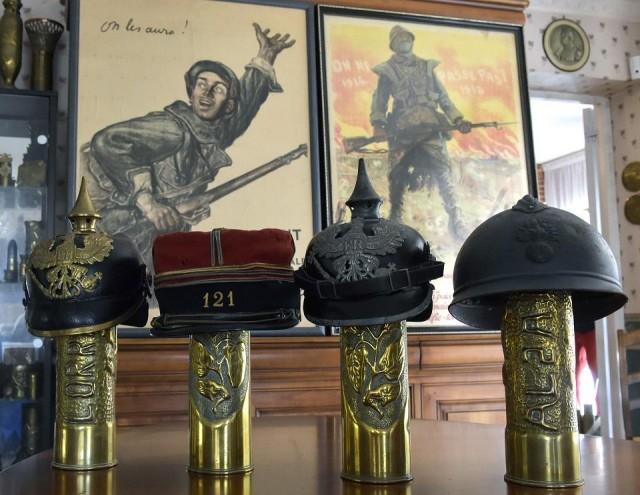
[(79, 286), (219, 414), (85, 426), (536, 271), (540, 384), (368, 277), (43, 35), (375, 406)]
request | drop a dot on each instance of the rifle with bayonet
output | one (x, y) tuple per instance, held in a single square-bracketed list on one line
[(133, 224), (355, 143), (192, 204)]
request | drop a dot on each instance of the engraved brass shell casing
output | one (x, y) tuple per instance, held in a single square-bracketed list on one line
[(85, 427), (541, 438), (219, 414), (43, 35), (10, 42), (375, 406)]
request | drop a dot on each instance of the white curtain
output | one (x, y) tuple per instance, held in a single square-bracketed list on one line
[(565, 184)]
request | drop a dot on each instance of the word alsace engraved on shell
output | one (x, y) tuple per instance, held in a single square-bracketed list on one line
[(219, 367), (67, 277), (543, 373)]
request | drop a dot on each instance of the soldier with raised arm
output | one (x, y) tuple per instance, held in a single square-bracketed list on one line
[(142, 168)]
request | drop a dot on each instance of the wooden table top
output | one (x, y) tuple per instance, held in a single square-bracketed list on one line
[(301, 456)]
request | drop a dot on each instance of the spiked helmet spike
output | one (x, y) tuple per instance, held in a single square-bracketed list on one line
[(83, 216), (367, 271), (84, 281)]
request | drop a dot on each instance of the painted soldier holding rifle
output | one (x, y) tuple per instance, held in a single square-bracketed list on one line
[(142, 169), (417, 127)]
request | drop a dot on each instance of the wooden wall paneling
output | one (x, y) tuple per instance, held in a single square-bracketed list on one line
[(452, 377)]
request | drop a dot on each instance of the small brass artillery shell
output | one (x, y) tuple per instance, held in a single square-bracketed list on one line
[(219, 414), (85, 435), (542, 440), (375, 408)]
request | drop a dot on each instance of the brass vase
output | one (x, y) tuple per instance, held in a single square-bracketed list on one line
[(541, 438), (43, 35), (10, 42), (375, 403), (219, 414)]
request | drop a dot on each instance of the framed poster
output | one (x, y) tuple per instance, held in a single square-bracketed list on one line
[(439, 110), (195, 115)]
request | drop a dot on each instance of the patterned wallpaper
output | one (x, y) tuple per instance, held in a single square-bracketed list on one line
[(625, 120), (611, 40), (606, 73)]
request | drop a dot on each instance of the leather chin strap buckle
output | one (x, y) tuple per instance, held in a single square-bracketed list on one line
[(326, 289), (400, 279)]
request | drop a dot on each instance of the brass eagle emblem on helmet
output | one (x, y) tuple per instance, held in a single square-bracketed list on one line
[(64, 259), (357, 252)]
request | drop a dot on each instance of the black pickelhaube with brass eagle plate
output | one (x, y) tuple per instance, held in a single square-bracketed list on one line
[(84, 281), (368, 271)]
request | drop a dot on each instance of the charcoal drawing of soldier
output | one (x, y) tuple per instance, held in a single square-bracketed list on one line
[(141, 168), (421, 108)]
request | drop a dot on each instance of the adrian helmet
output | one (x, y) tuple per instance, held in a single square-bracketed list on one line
[(226, 279), (534, 248)]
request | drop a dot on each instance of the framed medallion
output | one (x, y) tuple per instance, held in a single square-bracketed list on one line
[(566, 45), (195, 115), (438, 108)]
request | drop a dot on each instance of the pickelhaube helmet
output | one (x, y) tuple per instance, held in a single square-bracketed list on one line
[(84, 281), (368, 271), (534, 248)]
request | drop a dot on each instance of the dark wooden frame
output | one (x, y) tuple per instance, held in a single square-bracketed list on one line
[(314, 141), (515, 29)]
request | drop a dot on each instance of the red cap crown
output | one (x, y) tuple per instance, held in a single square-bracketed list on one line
[(221, 247)]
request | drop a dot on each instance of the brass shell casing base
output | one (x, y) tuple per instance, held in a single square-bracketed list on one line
[(85, 434), (561, 452), (219, 414), (541, 439), (375, 408)]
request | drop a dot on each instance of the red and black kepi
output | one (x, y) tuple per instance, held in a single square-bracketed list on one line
[(226, 279)]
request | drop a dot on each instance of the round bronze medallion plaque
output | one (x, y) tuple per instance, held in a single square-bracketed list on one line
[(632, 209), (566, 45), (631, 177)]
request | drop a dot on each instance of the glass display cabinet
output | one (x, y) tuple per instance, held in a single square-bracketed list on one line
[(27, 175)]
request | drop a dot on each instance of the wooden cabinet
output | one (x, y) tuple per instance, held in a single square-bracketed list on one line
[(452, 377)]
